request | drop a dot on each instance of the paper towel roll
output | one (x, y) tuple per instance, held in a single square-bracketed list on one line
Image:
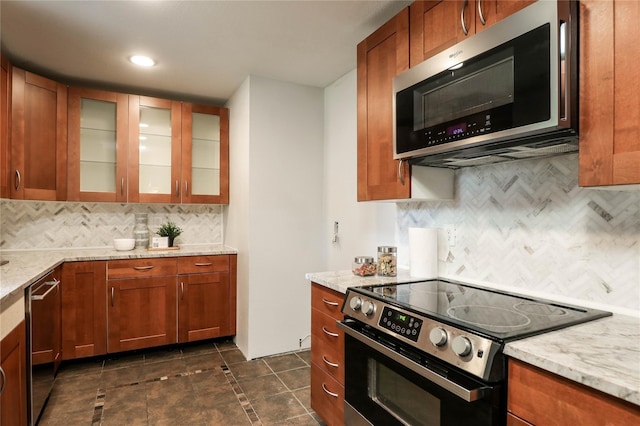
[(423, 252)]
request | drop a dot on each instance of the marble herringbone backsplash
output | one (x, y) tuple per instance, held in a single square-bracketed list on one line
[(527, 224), (38, 224)]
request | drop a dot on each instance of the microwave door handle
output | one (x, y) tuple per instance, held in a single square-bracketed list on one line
[(564, 53)]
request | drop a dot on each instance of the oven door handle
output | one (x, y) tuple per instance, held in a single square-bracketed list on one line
[(468, 395)]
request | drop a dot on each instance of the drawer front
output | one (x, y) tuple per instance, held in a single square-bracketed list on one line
[(327, 301), (135, 268), (542, 398), (327, 397), (327, 345), (202, 264)]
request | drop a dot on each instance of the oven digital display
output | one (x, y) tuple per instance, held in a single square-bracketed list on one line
[(400, 323)]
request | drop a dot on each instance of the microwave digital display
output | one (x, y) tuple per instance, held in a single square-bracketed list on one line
[(457, 129)]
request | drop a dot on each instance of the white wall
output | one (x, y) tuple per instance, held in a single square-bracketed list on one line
[(236, 226), (275, 211), (362, 226)]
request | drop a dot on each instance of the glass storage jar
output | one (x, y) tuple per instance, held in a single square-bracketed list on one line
[(363, 266), (387, 260)]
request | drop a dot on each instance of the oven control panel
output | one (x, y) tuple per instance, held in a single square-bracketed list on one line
[(461, 348), (401, 323)]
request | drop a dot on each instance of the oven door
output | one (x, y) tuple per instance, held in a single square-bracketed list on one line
[(383, 387)]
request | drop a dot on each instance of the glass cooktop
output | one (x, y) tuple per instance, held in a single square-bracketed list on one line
[(497, 314)]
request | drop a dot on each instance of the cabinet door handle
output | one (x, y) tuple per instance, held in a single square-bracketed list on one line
[(122, 186), (143, 268), (328, 302), (329, 363), (333, 394), (112, 291), (18, 179), (204, 264), (400, 174), (177, 189), (464, 27), (484, 21), (4, 380), (181, 290), (328, 333), (186, 188)]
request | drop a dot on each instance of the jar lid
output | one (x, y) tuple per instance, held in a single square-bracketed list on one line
[(363, 259), (386, 249)]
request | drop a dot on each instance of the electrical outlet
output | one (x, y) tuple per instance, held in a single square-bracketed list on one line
[(450, 231)]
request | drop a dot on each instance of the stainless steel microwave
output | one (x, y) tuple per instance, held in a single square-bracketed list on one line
[(506, 93)]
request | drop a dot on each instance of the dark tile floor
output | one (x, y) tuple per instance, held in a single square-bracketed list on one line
[(204, 384)]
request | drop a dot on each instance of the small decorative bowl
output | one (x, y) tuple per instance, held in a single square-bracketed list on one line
[(124, 244)]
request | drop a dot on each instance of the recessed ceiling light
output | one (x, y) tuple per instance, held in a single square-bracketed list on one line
[(143, 61)]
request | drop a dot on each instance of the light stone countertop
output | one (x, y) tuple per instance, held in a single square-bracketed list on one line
[(603, 354), (26, 266)]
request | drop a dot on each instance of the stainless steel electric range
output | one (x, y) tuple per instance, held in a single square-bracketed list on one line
[(431, 352)]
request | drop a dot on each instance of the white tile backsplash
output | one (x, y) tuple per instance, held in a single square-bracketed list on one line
[(527, 224), (46, 224)]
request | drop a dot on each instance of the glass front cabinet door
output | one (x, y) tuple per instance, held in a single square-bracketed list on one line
[(97, 132), (205, 154), (154, 150)]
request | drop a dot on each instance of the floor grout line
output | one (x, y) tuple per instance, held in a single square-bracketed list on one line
[(98, 416)]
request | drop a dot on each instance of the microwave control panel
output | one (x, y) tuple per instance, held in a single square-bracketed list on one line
[(478, 124)]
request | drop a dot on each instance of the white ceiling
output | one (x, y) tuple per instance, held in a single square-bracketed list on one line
[(204, 49)]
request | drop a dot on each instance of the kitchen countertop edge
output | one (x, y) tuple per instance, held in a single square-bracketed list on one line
[(599, 354), (26, 266)]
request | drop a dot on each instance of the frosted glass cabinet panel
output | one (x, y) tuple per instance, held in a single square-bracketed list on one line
[(205, 154), (97, 130), (154, 150)]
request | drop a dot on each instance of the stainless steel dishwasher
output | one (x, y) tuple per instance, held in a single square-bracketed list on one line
[(43, 309)]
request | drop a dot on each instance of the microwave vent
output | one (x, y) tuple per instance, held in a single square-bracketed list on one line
[(501, 151), (527, 152), (477, 161)]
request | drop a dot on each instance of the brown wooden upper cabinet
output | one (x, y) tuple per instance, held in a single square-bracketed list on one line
[(381, 56), (98, 126), (609, 87), (38, 137), (5, 103), (154, 150), (438, 25), (205, 154)]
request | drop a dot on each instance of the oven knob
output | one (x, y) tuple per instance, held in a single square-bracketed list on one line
[(461, 346), (438, 336), (368, 307), (355, 303)]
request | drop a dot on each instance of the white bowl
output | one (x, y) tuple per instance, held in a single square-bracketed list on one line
[(124, 244)]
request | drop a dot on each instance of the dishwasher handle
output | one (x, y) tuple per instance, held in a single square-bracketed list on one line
[(52, 286)]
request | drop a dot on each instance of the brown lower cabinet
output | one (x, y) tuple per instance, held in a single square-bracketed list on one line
[(327, 355), (206, 297), (141, 313), (13, 359), (84, 309), (121, 305), (141, 303), (538, 397)]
